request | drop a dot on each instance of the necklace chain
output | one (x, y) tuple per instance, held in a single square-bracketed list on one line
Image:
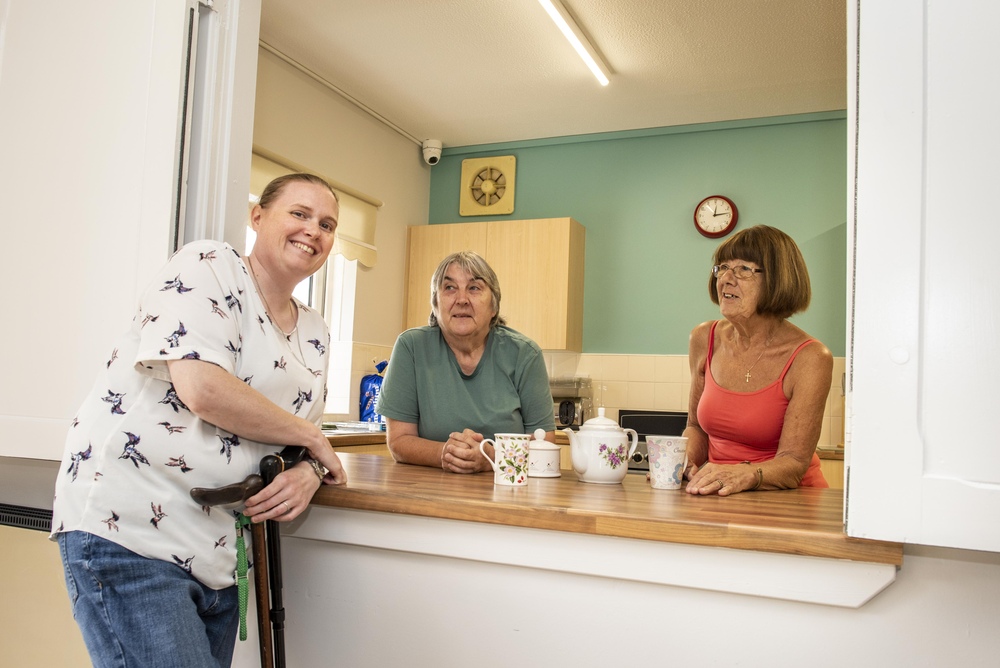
[(267, 307), (767, 342), (291, 309)]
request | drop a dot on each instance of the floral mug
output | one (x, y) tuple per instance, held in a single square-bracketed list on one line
[(667, 461), (510, 458)]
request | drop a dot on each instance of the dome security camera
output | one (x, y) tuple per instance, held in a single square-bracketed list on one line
[(432, 151)]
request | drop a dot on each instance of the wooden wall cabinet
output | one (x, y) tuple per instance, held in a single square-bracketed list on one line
[(539, 264)]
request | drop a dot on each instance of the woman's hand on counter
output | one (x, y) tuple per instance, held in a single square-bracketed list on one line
[(325, 455), (720, 479), (461, 454)]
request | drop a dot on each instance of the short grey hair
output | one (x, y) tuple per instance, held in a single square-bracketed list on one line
[(480, 269)]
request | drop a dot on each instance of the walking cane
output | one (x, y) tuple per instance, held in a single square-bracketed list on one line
[(266, 551), (260, 588), (270, 467)]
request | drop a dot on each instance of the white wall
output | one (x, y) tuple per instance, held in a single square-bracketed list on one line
[(306, 123), (88, 138), (376, 607), (90, 144)]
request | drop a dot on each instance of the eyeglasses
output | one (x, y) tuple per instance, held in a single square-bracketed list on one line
[(739, 271)]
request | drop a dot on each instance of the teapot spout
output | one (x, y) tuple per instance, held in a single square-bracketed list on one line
[(578, 456)]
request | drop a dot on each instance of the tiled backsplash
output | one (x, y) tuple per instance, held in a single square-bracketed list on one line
[(662, 383), (653, 382)]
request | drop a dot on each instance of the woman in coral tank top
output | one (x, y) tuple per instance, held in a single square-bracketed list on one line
[(758, 383)]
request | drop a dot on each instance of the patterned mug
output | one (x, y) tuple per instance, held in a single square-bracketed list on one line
[(510, 458), (667, 461)]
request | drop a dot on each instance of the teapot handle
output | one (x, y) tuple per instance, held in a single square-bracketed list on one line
[(635, 442)]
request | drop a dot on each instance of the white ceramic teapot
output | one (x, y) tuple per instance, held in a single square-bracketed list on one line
[(601, 450)]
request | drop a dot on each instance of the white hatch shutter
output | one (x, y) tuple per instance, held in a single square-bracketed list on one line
[(922, 455)]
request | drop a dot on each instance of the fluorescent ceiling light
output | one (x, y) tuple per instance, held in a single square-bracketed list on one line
[(576, 37)]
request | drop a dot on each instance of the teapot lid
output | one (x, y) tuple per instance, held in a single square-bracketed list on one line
[(600, 422)]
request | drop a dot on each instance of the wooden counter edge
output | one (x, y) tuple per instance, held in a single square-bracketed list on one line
[(372, 438), (758, 539), (825, 544)]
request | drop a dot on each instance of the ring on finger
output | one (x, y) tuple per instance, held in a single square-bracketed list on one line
[(721, 484), (288, 508)]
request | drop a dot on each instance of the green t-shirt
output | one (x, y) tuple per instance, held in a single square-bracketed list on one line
[(507, 393)]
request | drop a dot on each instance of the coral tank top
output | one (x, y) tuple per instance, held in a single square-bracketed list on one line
[(746, 426)]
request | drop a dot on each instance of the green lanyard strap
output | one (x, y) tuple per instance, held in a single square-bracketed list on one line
[(241, 571)]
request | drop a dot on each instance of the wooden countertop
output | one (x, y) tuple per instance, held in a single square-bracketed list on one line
[(356, 438), (803, 521), (836, 454)]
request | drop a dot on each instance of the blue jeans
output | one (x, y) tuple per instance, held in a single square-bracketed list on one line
[(145, 613)]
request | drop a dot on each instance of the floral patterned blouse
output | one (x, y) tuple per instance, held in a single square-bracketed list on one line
[(134, 450)]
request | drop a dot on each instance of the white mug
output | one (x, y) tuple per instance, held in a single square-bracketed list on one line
[(667, 461), (510, 462)]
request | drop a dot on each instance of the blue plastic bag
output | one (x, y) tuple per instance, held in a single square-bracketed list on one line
[(371, 385)]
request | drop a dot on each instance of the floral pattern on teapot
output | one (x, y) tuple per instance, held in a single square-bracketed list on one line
[(614, 456)]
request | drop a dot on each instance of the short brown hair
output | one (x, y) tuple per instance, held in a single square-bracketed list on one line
[(273, 189), (480, 269), (785, 287)]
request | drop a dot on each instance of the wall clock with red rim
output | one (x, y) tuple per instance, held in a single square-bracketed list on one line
[(715, 216)]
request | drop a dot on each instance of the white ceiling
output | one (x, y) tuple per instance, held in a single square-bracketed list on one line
[(473, 72)]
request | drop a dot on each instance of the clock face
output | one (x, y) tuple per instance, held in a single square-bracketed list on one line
[(715, 216)]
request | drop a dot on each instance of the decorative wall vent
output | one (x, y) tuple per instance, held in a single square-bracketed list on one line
[(487, 186)]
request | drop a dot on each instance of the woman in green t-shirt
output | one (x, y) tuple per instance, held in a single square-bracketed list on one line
[(464, 377)]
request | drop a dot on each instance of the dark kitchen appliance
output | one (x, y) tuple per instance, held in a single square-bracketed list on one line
[(571, 401), (664, 423)]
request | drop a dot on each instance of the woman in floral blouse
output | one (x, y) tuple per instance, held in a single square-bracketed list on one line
[(219, 366)]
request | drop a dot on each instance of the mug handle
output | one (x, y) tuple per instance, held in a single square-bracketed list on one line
[(493, 443), (684, 468)]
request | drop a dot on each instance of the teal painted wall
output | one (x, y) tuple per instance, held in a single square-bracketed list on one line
[(647, 269)]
